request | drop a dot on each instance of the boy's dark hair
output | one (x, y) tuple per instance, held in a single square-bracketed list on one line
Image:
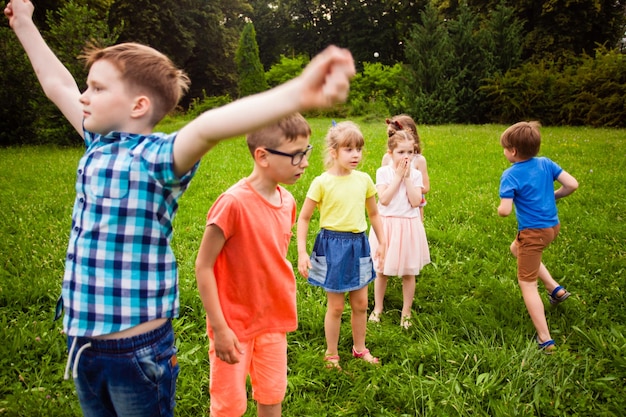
[(524, 137), (146, 71), (272, 136)]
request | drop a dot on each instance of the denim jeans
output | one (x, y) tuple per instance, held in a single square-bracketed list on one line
[(132, 377)]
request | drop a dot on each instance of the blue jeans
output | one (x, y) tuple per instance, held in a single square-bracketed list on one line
[(127, 377)]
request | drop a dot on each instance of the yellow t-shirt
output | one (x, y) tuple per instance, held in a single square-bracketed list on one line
[(341, 200)]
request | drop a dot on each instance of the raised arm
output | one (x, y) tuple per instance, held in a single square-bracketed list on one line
[(57, 82), (323, 83), (568, 185)]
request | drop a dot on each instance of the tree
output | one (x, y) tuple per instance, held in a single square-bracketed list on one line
[(431, 84), (193, 33), (29, 115), (251, 74)]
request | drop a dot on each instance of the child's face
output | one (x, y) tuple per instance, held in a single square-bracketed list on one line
[(348, 157), (281, 167), (107, 103), (403, 152)]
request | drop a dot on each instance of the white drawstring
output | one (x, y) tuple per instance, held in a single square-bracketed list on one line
[(66, 375)]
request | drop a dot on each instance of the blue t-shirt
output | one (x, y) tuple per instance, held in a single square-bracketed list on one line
[(530, 184), (120, 270)]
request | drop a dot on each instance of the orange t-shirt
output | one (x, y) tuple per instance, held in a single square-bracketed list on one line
[(255, 281)]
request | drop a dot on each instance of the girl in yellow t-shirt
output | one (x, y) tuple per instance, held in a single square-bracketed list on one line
[(341, 261)]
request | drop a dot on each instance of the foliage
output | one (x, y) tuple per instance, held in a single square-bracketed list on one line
[(590, 91), (31, 117), (191, 32), (431, 79), (285, 69), (199, 106), (376, 91), (18, 95), (249, 68), (471, 350)]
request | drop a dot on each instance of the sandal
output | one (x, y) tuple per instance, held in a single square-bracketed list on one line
[(556, 300), (405, 322), (548, 346), (365, 355), (374, 317), (332, 362)]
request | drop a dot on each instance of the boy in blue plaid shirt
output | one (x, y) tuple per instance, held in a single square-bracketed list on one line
[(120, 289)]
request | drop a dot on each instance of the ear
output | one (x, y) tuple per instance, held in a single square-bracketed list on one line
[(141, 107), (260, 157)]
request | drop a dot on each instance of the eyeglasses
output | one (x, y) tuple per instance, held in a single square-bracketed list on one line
[(296, 158)]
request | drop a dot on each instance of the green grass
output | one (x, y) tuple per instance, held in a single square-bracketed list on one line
[(471, 351)]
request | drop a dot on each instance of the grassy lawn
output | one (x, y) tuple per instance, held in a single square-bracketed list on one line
[(471, 350)]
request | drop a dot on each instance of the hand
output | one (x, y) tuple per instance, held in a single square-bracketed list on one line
[(402, 170), (16, 8), (326, 79), (379, 256), (304, 264), (227, 347)]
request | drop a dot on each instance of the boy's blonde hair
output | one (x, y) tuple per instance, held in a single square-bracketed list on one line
[(145, 71), (404, 122), (524, 137), (342, 135), (272, 136)]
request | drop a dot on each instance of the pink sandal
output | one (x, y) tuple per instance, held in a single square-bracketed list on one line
[(365, 355), (332, 362)]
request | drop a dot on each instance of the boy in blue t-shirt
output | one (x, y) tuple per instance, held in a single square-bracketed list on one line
[(120, 288), (529, 184)]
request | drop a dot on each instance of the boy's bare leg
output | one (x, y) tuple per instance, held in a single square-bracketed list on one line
[(271, 410), (534, 305)]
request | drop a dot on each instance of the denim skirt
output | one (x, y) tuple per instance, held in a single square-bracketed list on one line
[(341, 261)]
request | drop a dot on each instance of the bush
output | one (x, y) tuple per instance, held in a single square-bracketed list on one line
[(586, 91)]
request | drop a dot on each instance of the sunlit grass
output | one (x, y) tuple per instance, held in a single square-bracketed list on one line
[(470, 351)]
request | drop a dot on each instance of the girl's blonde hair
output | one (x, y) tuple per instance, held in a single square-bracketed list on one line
[(342, 135), (398, 137), (404, 122)]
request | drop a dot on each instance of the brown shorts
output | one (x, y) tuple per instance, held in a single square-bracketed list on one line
[(530, 245)]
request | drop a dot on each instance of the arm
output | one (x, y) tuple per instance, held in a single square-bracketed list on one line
[(304, 261), (568, 185), (226, 343), (57, 82), (387, 191), (420, 164), (324, 82), (413, 193), (505, 207), (377, 225)]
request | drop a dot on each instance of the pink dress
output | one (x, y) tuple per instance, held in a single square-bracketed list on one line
[(407, 247)]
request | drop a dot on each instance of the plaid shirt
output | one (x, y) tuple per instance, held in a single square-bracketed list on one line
[(120, 270)]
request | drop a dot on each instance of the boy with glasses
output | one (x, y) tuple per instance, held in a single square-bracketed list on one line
[(246, 283)]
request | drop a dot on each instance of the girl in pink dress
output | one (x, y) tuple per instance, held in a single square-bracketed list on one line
[(399, 185)]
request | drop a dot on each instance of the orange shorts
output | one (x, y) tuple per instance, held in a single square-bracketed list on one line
[(530, 245), (264, 358)]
